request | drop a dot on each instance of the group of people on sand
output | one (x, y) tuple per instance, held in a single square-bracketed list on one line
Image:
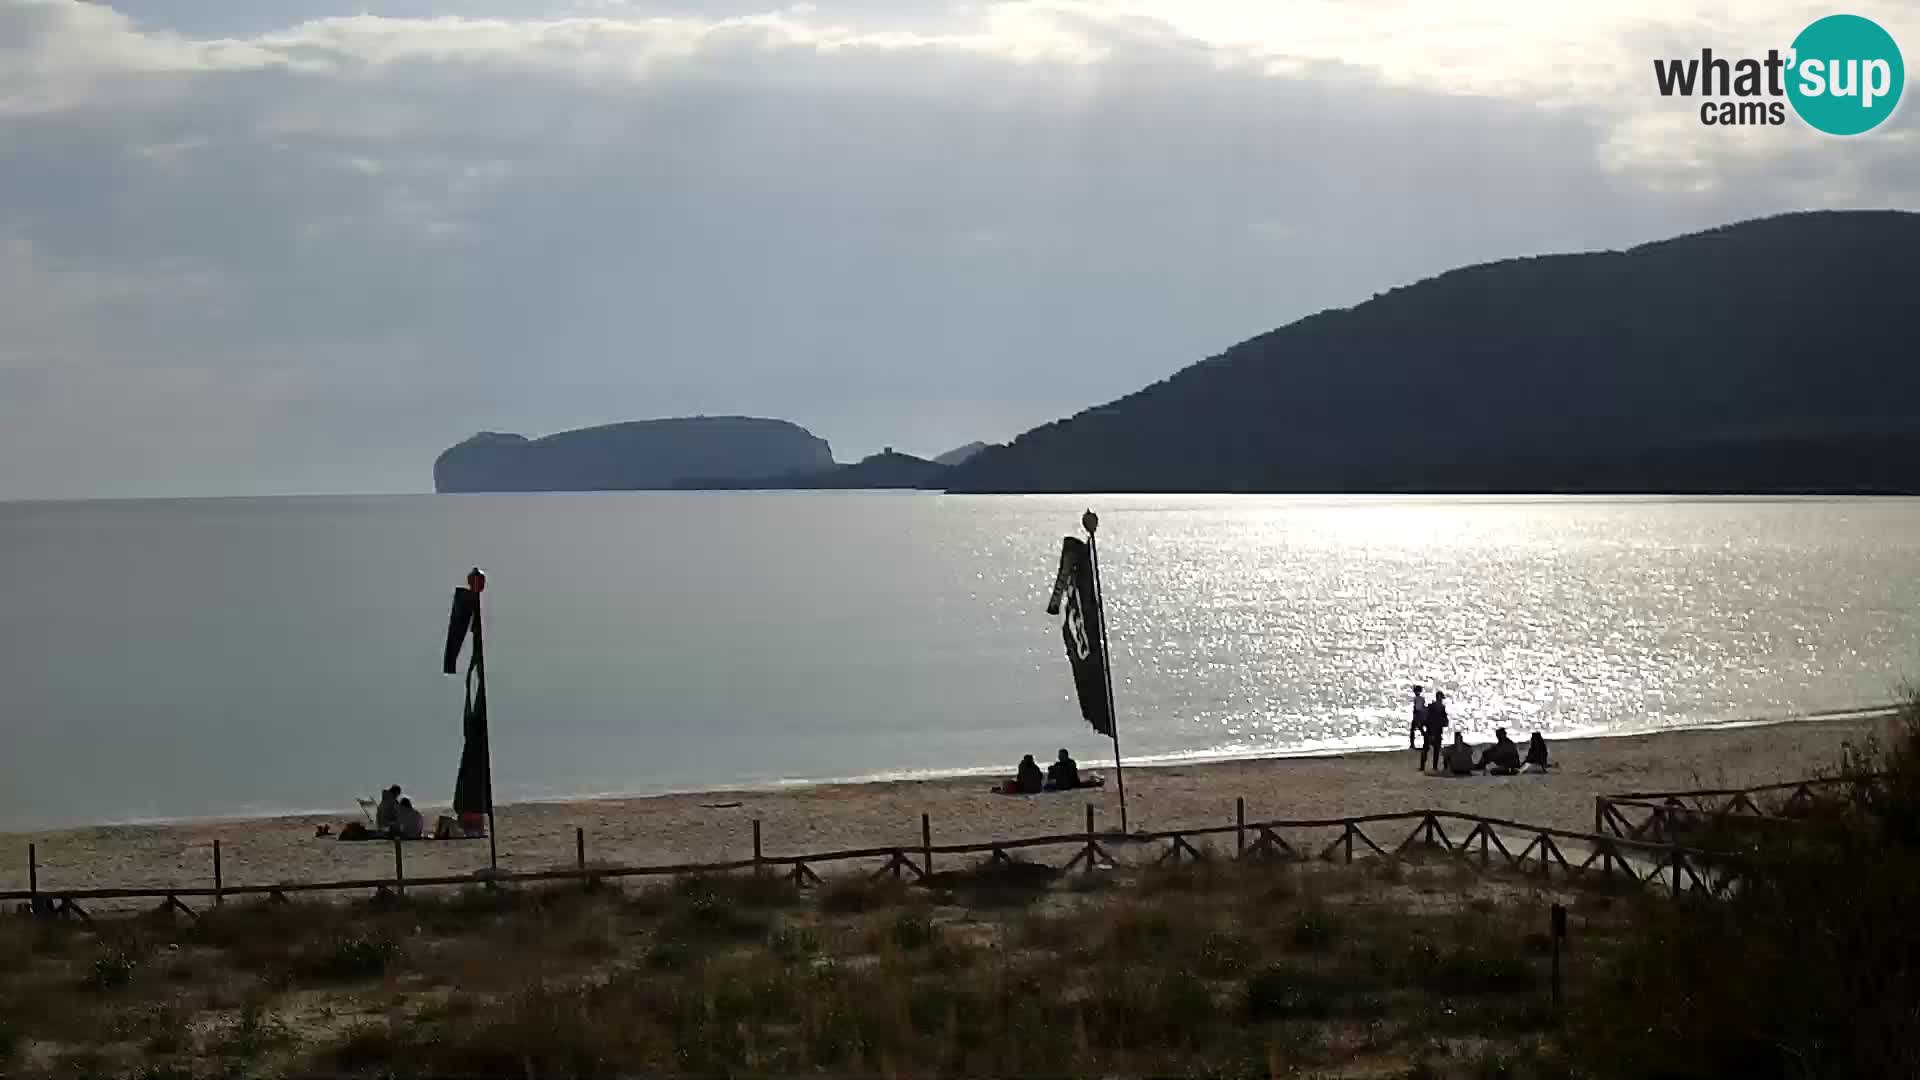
[(393, 819), (1062, 775), (395, 816), (1503, 758)]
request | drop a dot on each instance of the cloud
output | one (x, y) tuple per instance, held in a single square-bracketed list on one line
[(333, 244)]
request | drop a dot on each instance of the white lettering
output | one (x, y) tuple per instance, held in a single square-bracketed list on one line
[(1813, 77), (1843, 87), (1879, 80)]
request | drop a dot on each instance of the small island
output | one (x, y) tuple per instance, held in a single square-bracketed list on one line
[(642, 455)]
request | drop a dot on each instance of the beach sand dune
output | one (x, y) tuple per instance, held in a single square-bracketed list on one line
[(717, 825)]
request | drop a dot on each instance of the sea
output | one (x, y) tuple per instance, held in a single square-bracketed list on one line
[(174, 659)]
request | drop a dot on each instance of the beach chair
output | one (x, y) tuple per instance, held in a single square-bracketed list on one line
[(369, 807)]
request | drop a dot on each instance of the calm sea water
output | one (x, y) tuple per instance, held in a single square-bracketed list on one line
[(190, 658)]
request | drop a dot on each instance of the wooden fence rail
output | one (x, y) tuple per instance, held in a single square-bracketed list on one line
[(1675, 868), (1664, 816)]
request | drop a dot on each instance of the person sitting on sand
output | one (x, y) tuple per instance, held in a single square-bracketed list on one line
[(1459, 756), (387, 817), (411, 825), (1064, 774), (1503, 757), (1536, 755), (1028, 780)]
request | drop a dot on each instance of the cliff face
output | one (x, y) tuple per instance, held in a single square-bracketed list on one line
[(637, 456), (1768, 356)]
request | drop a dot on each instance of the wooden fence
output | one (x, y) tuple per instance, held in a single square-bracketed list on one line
[(1485, 843), (1666, 816)]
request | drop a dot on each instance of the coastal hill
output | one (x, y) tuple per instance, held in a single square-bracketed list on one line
[(1768, 356), (886, 469), (959, 454), (641, 455)]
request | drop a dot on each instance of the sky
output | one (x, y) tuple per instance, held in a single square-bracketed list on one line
[(303, 246)]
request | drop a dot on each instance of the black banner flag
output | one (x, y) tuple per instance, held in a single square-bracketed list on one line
[(1080, 629), (472, 786), (458, 620), (472, 792)]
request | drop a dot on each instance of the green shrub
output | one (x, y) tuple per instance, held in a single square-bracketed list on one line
[(357, 956), (111, 970), (1186, 1005), (1223, 952), (858, 895), (1467, 971), (913, 930), (1313, 929), (717, 908), (1281, 992), (669, 955), (792, 944)]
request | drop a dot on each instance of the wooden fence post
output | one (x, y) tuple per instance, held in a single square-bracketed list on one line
[(1349, 839), (926, 844), (218, 897), (399, 868), (1089, 838), (33, 878), (1599, 814), (758, 869), (580, 852), (1239, 826)]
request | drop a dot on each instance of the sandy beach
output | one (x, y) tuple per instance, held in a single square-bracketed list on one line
[(717, 825)]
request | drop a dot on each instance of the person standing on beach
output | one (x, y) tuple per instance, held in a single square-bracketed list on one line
[(1419, 726), (1436, 730)]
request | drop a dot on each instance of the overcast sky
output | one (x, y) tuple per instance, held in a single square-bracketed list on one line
[(304, 245)]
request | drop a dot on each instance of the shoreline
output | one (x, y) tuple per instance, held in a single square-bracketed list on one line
[(721, 824), (763, 788)]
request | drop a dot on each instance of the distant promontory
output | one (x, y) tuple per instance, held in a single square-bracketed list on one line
[(637, 456)]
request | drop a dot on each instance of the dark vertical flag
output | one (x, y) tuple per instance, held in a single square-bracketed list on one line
[(458, 622), (472, 787), (1080, 629)]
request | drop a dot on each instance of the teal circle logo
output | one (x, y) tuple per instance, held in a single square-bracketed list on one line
[(1846, 75)]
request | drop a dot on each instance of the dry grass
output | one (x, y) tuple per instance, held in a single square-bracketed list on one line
[(1218, 970)]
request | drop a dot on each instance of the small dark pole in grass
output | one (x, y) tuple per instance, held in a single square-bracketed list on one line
[(580, 850), (399, 868), (1240, 825), (33, 878), (757, 868), (1559, 935), (218, 899), (926, 843)]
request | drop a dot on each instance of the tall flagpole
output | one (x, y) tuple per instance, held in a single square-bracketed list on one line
[(477, 581), (1091, 521)]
